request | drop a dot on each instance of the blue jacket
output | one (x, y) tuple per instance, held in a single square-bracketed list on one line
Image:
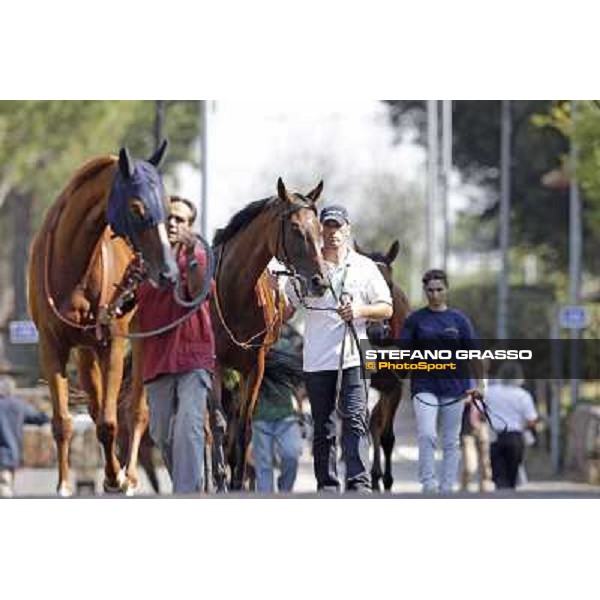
[(14, 413), (447, 329)]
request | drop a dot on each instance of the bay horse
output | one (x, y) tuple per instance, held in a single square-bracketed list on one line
[(76, 260), (381, 424), (246, 321)]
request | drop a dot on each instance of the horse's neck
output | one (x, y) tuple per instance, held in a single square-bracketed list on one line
[(81, 223), (247, 256)]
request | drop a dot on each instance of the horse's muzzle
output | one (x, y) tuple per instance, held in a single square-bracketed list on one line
[(318, 285)]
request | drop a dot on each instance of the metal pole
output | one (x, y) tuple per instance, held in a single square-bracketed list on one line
[(159, 119), (505, 157), (574, 257), (204, 167), (432, 182), (555, 388), (446, 170)]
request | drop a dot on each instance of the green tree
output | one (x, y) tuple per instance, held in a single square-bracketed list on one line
[(392, 211), (43, 142), (538, 213)]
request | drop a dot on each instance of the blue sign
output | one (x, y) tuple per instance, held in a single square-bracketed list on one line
[(22, 332), (573, 317)]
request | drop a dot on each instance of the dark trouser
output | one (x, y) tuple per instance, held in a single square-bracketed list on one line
[(507, 455), (320, 386)]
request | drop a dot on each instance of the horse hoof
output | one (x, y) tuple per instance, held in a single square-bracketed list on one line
[(129, 487), (122, 480), (64, 490), (129, 490), (119, 487), (111, 489)]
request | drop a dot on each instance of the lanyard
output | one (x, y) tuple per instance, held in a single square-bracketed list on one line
[(337, 296)]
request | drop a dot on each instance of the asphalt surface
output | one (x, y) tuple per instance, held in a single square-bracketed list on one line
[(42, 482)]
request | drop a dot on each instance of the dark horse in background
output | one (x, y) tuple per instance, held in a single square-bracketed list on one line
[(389, 386), (284, 226), (76, 261)]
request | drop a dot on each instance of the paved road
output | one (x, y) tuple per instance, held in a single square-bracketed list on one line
[(42, 482)]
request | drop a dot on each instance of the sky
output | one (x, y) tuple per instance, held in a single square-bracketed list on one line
[(251, 143)]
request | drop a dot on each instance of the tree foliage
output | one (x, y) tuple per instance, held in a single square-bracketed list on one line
[(391, 211), (539, 214), (43, 142)]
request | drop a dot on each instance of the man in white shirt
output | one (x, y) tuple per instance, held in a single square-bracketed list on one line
[(359, 293), (512, 411)]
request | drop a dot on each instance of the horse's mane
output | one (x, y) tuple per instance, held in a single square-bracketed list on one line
[(89, 171), (84, 175), (240, 220)]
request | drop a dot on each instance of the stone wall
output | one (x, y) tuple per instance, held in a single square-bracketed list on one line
[(582, 457)]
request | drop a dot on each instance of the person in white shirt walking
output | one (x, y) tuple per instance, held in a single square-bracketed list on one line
[(358, 292), (512, 412)]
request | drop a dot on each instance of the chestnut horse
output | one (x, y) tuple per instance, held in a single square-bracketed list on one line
[(76, 261), (381, 423), (286, 227)]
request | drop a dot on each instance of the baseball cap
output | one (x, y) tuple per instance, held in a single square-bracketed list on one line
[(336, 213)]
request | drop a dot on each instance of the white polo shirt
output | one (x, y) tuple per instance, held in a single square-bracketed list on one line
[(510, 406), (324, 329)]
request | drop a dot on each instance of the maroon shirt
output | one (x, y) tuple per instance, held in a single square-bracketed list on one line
[(190, 345)]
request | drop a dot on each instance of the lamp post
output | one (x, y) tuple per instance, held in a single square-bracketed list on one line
[(574, 257), (446, 169), (432, 183), (505, 159)]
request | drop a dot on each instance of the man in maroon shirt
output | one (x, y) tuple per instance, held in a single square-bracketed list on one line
[(178, 364)]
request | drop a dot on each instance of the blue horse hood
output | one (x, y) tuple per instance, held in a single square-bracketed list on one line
[(145, 184)]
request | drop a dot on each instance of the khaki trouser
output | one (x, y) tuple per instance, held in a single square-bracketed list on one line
[(7, 479), (475, 451)]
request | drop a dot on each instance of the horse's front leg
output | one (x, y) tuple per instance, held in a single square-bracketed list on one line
[(54, 359), (375, 427), (139, 416), (111, 359), (248, 401), (241, 439), (218, 427), (388, 439)]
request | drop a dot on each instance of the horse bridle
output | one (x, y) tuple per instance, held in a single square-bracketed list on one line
[(108, 309), (192, 304), (290, 271)]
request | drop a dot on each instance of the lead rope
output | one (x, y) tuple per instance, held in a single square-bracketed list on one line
[(348, 326), (192, 305), (277, 318), (479, 403)]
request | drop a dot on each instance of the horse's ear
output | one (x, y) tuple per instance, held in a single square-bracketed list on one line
[(358, 248), (393, 252), (159, 154), (314, 194), (281, 191), (125, 163)]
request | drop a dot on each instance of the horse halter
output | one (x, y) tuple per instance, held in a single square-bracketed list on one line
[(281, 250), (135, 179)]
